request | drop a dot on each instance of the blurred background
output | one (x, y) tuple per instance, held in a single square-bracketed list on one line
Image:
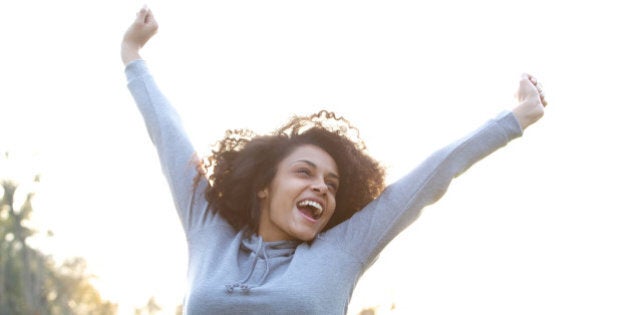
[(87, 225)]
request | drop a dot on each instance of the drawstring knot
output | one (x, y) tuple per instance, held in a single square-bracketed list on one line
[(229, 288), (241, 284)]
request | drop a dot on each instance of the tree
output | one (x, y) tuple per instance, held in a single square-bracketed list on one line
[(151, 308), (30, 283)]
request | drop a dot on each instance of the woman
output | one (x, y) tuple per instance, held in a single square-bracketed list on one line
[(287, 223)]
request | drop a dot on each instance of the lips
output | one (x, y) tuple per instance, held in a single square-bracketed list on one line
[(311, 208)]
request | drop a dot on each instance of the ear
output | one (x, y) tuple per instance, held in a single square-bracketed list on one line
[(262, 194)]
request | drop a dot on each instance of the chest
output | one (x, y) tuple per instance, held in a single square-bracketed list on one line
[(311, 281)]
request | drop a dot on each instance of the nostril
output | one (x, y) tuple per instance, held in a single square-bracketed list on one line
[(320, 187)]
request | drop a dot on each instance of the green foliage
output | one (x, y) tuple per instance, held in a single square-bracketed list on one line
[(30, 282)]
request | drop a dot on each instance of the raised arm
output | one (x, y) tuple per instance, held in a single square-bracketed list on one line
[(368, 231), (177, 155), (138, 34)]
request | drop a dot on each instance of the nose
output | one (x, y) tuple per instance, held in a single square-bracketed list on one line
[(319, 186)]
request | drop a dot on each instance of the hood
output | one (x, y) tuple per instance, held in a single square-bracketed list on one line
[(263, 252)]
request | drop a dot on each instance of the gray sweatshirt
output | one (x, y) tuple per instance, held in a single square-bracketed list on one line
[(229, 273)]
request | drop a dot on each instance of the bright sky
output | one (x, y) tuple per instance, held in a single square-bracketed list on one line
[(540, 227)]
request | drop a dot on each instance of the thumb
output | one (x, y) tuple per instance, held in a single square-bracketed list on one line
[(148, 18), (141, 16), (527, 78), (527, 82), (525, 87)]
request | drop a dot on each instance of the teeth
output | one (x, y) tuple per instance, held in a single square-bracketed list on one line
[(318, 212), (318, 207)]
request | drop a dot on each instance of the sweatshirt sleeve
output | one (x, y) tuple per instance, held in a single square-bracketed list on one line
[(175, 150), (371, 229)]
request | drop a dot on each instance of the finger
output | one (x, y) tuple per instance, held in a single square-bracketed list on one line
[(543, 100), (539, 87), (141, 16), (149, 18), (530, 78)]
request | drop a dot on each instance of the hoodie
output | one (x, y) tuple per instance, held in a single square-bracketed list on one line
[(231, 273)]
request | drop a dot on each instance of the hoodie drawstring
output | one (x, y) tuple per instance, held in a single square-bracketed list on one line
[(242, 284), (264, 276), (279, 251)]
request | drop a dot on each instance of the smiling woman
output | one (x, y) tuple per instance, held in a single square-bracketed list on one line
[(288, 222), (313, 155), (300, 200)]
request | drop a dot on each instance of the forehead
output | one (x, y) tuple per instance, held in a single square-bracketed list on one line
[(309, 153)]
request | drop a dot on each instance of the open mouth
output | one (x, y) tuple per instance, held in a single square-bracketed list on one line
[(311, 209)]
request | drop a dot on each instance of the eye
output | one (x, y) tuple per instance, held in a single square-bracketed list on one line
[(303, 171), (332, 186)]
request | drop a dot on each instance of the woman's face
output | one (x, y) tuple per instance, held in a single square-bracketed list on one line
[(300, 200)]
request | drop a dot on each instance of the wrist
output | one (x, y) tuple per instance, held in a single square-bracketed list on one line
[(522, 121), (527, 113), (129, 52)]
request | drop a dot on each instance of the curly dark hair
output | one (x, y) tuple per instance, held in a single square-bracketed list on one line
[(243, 163)]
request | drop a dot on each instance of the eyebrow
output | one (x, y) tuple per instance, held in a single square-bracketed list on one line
[(331, 174)]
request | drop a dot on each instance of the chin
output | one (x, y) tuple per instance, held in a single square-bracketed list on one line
[(306, 236)]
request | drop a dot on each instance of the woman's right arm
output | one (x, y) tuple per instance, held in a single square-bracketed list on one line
[(177, 155)]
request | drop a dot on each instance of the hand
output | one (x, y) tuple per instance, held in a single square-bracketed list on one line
[(531, 101), (138, 34)]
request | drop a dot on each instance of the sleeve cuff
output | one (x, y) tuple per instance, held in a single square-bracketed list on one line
[(510, 125), (136, 69)]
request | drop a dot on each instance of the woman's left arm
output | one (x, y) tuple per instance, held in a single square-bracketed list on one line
[(371, 229)]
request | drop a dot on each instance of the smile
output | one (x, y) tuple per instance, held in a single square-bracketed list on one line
[(311, 209)]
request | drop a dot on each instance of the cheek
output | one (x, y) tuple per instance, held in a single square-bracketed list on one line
[(333, 205)]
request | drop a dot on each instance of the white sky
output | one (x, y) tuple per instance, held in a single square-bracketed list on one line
[(540, 227)]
